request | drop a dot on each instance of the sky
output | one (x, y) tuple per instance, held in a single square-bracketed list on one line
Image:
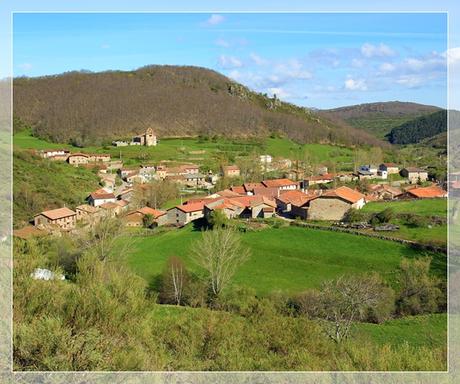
[(320, 60)]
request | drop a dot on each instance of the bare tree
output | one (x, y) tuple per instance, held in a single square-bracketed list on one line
[(348, 299), (175, 278), (220, 253)]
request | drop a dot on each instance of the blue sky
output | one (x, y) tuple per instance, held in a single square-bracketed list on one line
[(316, 60)]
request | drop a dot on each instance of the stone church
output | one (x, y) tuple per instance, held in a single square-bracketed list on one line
[(148, 138)]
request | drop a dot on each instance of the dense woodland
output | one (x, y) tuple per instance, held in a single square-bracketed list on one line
[(84, 108), (421, 128)]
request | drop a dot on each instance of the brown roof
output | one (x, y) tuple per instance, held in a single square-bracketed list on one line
[(150, 211), (326, 176), (102, 194), (194, 207), (228, 193), (250, 186), (238, 189), (390, 164), (78, 154), (278, 183), (290, 196), (230, 168), (122, 203), (270, 192), (345, 193), (87, 208), (109, 205), (58, 213), (427, 192)]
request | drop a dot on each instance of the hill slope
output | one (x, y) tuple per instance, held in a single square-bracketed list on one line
[(420, 128), (93, 108), (379, 119)]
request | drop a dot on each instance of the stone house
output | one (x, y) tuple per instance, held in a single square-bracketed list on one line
[(185, 213), (136, 218), (101, 196), (77, 159), (333, 204), (86, 212), (287, 199), (63, 218), (390, 168), (414, 175), (230, 171)]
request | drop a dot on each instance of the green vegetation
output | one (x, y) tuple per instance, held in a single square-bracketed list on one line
[(40, 184), (421, 128), (379, 125), (287, 259), (422, 330), (425, 207)]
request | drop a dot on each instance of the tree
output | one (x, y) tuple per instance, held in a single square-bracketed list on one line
[(174, 281), (155, 194), (148, 220), (218, 219), (348, 299), (220, 253), (103, 238), (419, 292)]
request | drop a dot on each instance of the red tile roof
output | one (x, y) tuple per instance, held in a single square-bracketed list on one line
[(150, 211), (427, 192), (278, 183), (238, 189), (345, 193), (59, 213), (228, 193), (270, 192), (102, 194), (193, 207), (250, 186)]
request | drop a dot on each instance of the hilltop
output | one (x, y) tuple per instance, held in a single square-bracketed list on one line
[(83, 108), (379, 119)]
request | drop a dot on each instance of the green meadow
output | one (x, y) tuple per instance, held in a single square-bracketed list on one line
[(425, 207), (289, 259)]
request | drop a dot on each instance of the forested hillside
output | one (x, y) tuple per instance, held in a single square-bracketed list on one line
[(84, 108), (380, 118), (421, 128)]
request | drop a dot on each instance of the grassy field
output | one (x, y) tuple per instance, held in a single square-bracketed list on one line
[(427, 207), (289, 259), (200, 151), (425, 330)]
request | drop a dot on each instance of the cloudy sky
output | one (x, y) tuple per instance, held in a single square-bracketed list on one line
[(316, 60)]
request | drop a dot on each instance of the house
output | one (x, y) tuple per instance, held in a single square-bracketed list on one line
[(110, 209), (230, 171), (281, 184), (369, 168), (383, 192), (123, 204), (285, 200), (54, 154), (426, 192), (119, 143), (229, 207), (86, 212), (227, 193), (185, 213), (390, 168), (315, 180), (99, 158), (269, 192), (249, 187), (63, 218), (101, 196), (333, 204), (77, 159), (189, 169), (239, 189), (136, 218), (415, 175), (148, 138), (265, 159), (126, 194), (364, 174), (256, 206)]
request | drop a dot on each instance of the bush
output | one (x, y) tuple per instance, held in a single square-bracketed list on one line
[(382, 217), (355, 215), (417, 221)]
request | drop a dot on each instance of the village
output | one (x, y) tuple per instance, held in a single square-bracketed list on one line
[(324, 196)]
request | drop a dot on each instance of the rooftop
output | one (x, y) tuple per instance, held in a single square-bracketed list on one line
[(278, 183), (345, 193), (58, 213)]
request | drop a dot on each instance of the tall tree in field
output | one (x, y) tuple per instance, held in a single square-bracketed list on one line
[(155, 194), (175, 278), (220, 253)]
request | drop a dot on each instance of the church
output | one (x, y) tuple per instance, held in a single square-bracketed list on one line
[(148, 138)]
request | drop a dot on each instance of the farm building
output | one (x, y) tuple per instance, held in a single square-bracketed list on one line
[(426, 192), (315, 180), (185, 213), (86, 212), (281, 184), (285, 201), (77, 159), (230, 171), (63, 218), (415, 175), (333, 204), (136, 218), (54, 154), (390, 168), (101, 196)]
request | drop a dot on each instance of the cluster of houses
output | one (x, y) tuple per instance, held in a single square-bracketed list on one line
[(148, 139), (75, 159)]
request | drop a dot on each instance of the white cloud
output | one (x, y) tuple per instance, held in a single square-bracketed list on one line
[(410, 81), (356, 63), (387, 67), (279, 92), (222, 43), (214, 20), (355, 85), (25, 66), (257, 59), (452, 55), (381, 50), (229, 62)]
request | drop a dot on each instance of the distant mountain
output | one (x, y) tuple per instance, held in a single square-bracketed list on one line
[(379, 119), (84, 108), (419, 129)]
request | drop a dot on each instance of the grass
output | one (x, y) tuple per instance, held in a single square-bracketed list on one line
[(289, 259), (200, 151), (425, 207), (418, 331)]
